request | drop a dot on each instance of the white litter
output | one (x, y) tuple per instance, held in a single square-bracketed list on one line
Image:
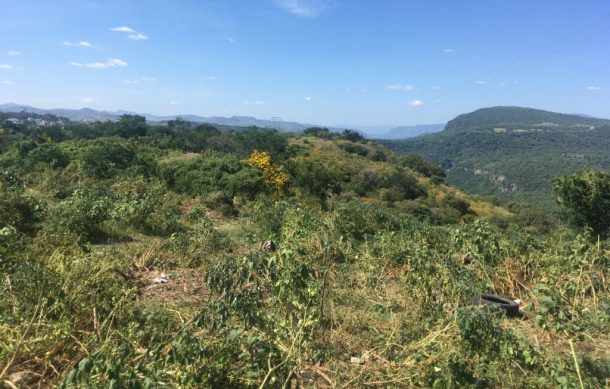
[(162, 279)]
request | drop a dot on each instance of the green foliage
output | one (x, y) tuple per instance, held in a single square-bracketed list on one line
[(516, 163), (213, 172), (478, 239), (420, 165), (137, 262), (108, 158), (584, 197), (82, 213), (318, 132), (314, 177)]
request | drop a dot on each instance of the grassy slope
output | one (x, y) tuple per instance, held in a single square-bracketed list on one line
[(391, 298)]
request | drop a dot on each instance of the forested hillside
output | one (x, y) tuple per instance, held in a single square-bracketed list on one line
[(513, 153), (137, 255)]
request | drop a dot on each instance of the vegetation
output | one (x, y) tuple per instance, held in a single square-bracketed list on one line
[(585, 199), (132, 255), (513, 153)]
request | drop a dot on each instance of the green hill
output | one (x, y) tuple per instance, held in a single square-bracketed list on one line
[(513, 152), (141, 256)]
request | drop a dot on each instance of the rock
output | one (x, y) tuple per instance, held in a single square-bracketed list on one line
[(21, 378), (354, 361), (268, 246)]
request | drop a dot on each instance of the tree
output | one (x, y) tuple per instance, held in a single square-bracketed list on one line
[(319, 132), (584, 198), (132, 125)]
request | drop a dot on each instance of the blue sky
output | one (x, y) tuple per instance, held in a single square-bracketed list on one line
[(349, 62)]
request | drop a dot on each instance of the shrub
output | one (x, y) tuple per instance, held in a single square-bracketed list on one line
[(584, 198)]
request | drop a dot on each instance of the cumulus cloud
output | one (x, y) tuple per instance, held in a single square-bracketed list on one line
[(257, 102), (416, 103), (131, 33), (12, 53), (304, 8), (87, 100), (594, 87), (210, 78), (123, 29), (230, 39), (137, 37), (406, 87), (448, 50), (307, 98), (110, 63), (481, 82), (5, 66), (79, 43)]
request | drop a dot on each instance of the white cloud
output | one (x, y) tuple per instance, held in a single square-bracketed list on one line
[(87, 100), (407, 87), (448, 50), (6, 82), (12, 53), (137, 37), (210, 78), (230, 39), (307, 98), (305, 8), (594, 87), (5, 66), (257, 102), (131, 33), (79, 43), (110, 63), (172, 102), (140, 80), (416, 103), (481, 82), (365, 90), (436, 88), (123, 29)]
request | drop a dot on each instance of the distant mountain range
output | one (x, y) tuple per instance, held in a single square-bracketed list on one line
[(90, 115), (514, 152)]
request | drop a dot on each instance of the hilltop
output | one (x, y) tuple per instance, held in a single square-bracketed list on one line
[(514, 118), (512, 152)]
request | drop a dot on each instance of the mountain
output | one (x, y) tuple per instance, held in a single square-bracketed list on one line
[(88, 115), (91, 115), (514, 152), (405, 132), (519, 118)]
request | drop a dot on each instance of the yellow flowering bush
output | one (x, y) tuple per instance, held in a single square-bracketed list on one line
[(272, 175)]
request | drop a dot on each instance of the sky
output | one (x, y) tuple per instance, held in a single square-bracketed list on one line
[(330, 62)]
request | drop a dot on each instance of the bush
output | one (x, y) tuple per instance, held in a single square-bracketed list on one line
[(584, 199), (107, 159), (420, 165), (83, 213)]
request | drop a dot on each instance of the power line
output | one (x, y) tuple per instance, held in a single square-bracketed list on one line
[(451, 93)]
